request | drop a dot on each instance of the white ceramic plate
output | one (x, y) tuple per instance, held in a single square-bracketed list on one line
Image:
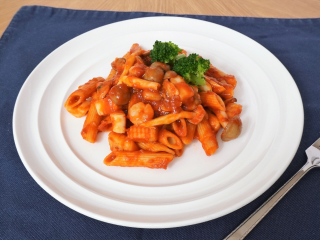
[(194, 188)]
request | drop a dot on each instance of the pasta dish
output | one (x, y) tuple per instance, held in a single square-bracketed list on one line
[(154, 102)]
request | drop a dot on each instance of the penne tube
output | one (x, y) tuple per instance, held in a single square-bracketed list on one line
[(196, 135), (103, 89), (118, 120), (126, 55), (212, 100), (138, 159), (230, 100), (90, 127), (233, 109), (214, 122), (143, 134), (129, 63), (228, 93), (180, 127), (207, 137), (218, 74), (135, 82), (155, 147), (222, 117), (81, 110), (79, 97), (191, 128), (120, 142), (136, 49), (230, 79), (178, 152), (215, 85), (111, 74), (170, 139)]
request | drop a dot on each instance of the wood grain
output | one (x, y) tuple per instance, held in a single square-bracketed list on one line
[(249, 8)]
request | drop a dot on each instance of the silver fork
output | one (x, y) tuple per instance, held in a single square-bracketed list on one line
[(313, 154)]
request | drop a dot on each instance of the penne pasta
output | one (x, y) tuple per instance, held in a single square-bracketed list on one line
[(90, 127), (212, 100), (155, 147), (170, 139), (76, 103), (233, 109), (230, 100), (126, 55), (218, 74), (136, 49), (228, 93), (214, 122), (81, 110), (207, 137), (178, 152), (103, 89), (111, 74), (215, 85), (191, 128), (180, 127), (143, 134), (138, 159), (222, 117), (129, 63)]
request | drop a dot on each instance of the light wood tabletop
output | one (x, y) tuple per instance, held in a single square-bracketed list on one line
[(249, 8)]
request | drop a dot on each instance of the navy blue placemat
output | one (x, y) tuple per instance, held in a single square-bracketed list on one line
[(28, 212)]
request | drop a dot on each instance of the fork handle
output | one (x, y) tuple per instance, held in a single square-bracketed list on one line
[(244, 228)]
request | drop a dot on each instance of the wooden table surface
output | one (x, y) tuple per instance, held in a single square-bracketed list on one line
[(250, 8)]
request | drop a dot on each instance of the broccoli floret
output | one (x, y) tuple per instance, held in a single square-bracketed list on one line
[(192, 68), (165, 52)]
